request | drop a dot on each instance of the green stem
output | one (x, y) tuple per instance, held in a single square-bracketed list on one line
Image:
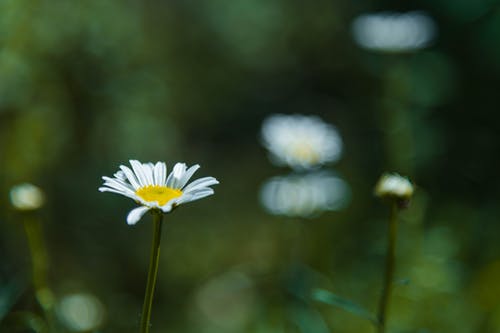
[(39, 259), (37, 252), (389, 269), (297, 242), (153, 272)]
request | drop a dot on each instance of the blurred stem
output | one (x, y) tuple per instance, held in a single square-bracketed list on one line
[(153, 272), (298, 241), (40, 264), (389, 268)]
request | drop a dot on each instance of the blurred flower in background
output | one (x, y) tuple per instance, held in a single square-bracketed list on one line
[(81, 312), (227, 302), (26, 196), (304, 143), (304, 195), (394, 32), (301, 142)]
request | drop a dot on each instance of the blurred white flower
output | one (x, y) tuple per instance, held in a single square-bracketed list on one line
[(304, 195), (227, 303), (394, 186), (81, 312), (148, 185), (301, 142), (394, 32), (26, 196)]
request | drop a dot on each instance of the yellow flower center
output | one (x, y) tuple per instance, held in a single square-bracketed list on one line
[(305, 153), (160, 194)]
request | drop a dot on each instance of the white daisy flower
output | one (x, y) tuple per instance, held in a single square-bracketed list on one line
[(148, 185), (26, 196), (302, 142), (394, 32), (304, 195)]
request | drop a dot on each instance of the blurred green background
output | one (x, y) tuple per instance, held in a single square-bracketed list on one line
[(88, 85)]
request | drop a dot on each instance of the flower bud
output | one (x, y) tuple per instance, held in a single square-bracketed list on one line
[(394, 187)]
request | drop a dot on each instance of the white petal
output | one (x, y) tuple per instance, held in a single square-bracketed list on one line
[(173, 203), (120, 175), (177, 173), (135, 215), (179, 170), (147, 168), (160, 173), (194, 195), (118, 184), (189, 173), (107, 189), (184, 199), (130, 176), (168, 206), (200, 183), (118, 189), (202, 194), (139, 172)]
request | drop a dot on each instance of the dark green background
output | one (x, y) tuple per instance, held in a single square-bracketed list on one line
[(87, 85)]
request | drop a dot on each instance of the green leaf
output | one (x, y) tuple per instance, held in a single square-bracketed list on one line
[(9, 294), (402, 282), (327, 297), (307, 320)]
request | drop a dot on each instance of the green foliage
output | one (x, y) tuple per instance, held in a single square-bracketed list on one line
[(327, 297)]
